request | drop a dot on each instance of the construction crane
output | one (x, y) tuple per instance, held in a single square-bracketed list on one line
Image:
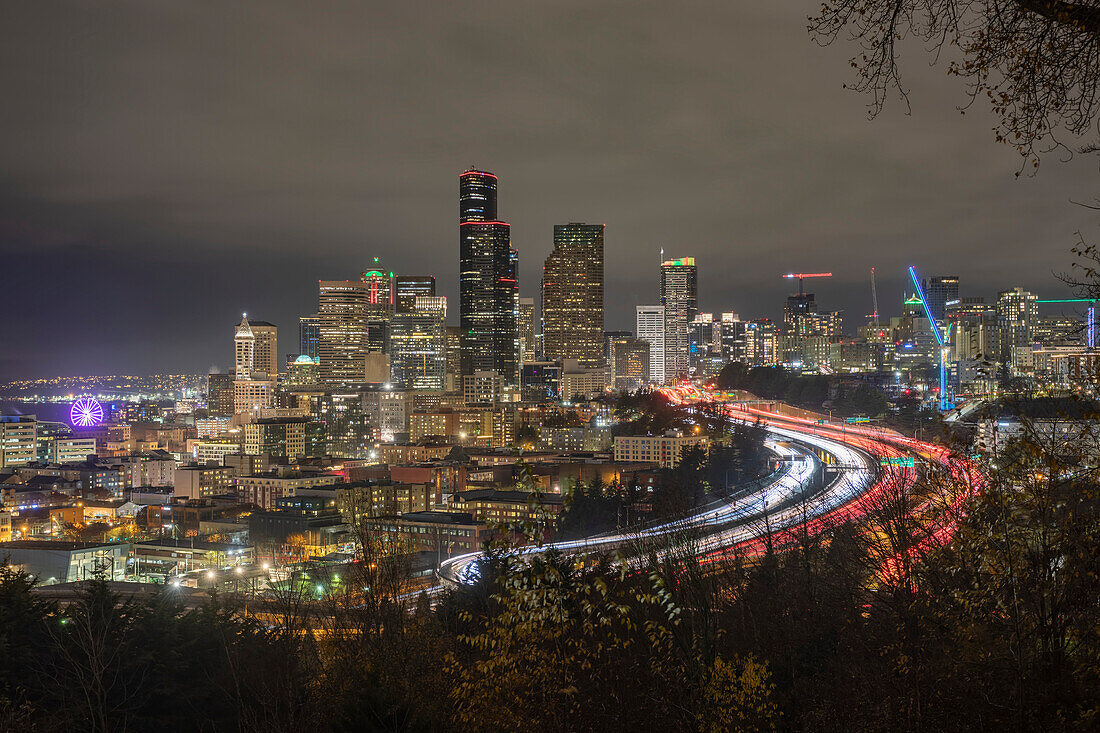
[(1090, 317), (874, 296), (800, 275), (941, 340)]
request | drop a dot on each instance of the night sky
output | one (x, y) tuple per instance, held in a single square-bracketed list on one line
[(168, 165)]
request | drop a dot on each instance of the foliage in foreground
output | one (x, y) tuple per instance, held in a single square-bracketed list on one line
[(996, 630)]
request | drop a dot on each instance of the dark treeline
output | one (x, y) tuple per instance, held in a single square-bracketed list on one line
[(805, 390)]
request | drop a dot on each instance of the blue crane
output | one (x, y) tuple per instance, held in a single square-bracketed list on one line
[(941, 340)]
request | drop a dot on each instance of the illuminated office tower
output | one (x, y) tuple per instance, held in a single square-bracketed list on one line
[(796, 313), (679, 296), (407, 288), (343, 348), (219, 394), (453, 380), (940, 291), (527, 330), (761, 343), (572, 295), (1017, 316), (253, 387), (244, 349), (380, 290), (488, 292), (418, 345), (309, 335), (733, 339), (629, 362), (380, 304), (18, 440), (651, 329), (266, 349)]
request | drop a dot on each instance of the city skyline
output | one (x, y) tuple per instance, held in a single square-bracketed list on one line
[(237, 207)]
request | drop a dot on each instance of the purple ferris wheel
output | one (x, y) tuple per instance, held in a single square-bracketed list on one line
[(86, 412)]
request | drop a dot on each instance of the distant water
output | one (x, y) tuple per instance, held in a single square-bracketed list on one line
[(49, 411)]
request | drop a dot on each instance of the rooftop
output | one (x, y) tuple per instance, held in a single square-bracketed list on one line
[(54, 545), (193, 544)]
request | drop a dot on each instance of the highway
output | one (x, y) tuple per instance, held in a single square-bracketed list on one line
[(862, 465)]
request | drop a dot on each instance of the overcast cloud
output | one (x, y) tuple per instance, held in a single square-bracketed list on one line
[(165, 166)]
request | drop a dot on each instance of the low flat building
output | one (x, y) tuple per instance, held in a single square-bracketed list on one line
[(177, 556), (264, 490), (311, 522), (442, 533), (200, 482), (54, 561), (664, 450), (498, 507)]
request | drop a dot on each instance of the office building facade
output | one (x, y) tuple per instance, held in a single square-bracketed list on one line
[(343, 346), (488, 291), (572, 295), (418, 344), (679, 296), (650, 323), (309, 335)]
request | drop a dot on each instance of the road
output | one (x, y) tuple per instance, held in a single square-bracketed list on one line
[(863, 465)]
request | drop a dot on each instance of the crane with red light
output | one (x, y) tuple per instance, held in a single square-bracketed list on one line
[(801, 275)]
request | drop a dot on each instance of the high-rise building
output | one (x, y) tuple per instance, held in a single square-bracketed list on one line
[(302, 370), (629, 363), (379, 306), (219, 394), (733, 339), (418, 344), (572, 295), (940, 291), (18, 440), (309, 335), (453, 380), (1059, 331), (527, 329), (244, 349), (651, 329), (255, 347), (761, 342), (488, 288), (343, 347), (1017, 316), (541, 381), (254, 392), (408, 287), (609, 337), (380, 290), (253, 387), (705, 353), (265, 352), (796, 312), (679, 296)]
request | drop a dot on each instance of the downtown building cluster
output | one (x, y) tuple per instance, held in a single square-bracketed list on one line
[(383, 413), (386, 413)]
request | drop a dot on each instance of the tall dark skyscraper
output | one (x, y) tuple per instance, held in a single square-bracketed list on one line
[(572, 295), (488, 289), (309, 335), (408, 287), (940, 290)]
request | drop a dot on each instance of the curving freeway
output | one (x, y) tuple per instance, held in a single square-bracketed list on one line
[(861, 467)]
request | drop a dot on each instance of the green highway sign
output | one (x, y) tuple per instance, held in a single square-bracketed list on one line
[(907, 462), (851, 420)]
